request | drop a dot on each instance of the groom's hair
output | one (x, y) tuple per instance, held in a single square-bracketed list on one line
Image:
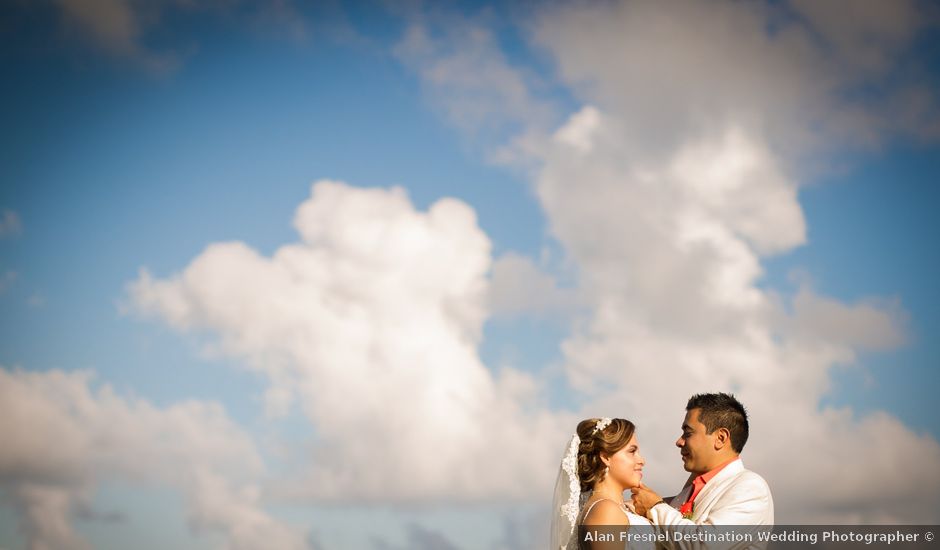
[(721, 410)]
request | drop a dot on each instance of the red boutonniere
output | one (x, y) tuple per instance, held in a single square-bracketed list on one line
[(688, 515)]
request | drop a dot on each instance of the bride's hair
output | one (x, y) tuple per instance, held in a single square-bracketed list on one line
[(608, 441)]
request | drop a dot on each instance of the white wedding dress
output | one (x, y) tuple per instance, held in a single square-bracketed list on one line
[(634, 519)]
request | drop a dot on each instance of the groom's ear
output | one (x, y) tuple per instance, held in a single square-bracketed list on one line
[(722, 438)]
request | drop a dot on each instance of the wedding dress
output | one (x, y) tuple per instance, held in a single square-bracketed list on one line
[(638, 525)]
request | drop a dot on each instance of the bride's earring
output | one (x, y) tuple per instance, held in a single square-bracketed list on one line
[(606, 470)]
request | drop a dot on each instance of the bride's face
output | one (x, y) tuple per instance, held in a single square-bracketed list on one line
[(626, 465)]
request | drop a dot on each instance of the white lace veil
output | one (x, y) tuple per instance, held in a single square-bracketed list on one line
[(568, 499), (566, 502)]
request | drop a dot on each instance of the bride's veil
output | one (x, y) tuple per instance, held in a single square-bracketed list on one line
[(567, 500)]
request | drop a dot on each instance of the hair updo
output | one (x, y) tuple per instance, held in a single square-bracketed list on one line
[(608, 441)]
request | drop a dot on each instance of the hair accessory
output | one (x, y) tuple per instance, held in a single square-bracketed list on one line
[(601, 424)]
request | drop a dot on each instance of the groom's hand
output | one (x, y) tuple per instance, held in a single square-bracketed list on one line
[(644, 498)]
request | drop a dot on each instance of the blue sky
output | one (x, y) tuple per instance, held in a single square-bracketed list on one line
[(114, 161)]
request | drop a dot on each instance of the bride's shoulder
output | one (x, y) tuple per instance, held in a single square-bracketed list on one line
[(606, 512)]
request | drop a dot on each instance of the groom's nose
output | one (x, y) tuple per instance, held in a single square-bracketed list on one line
[(680, 442)]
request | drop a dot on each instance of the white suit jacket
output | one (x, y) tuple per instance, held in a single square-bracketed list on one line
[(735, 496)]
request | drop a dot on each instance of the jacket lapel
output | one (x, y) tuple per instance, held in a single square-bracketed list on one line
[(703, 500)]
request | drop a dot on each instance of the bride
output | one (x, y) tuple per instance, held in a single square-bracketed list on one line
[(602, 461)]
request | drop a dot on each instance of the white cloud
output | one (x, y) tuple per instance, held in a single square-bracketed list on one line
[(679, 182), (46, 510), (680, 71), (871, 325), (373, 321), (519, 287), (580, 130), (466, 74), (670, 260), (191, 446), (738, 179)]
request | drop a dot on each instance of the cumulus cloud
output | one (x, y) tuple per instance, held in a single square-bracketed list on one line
[(100, 436), (679, 183), (788, 74), (468, 77), (670, 261), (520, 287), (668, 188), (372, 320), (870, 325)]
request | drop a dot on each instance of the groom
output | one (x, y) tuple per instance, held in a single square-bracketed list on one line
[(720, 491)]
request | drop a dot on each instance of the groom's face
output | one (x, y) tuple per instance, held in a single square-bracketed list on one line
[(696, 446)]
